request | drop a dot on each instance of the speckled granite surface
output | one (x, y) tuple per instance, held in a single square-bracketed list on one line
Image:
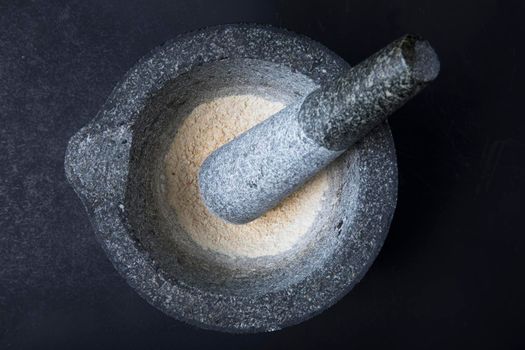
[(248, 296), (250, 175), (451, 268)]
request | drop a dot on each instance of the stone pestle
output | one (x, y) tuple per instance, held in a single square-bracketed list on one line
[(253, 173)]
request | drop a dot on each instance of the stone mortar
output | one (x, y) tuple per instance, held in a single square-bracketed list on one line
[(115, 165)]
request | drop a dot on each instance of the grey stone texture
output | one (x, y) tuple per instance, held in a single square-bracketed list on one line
[(250, 175), (115, 166)]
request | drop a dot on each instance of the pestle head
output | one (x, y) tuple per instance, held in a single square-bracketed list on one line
[(243, 179)]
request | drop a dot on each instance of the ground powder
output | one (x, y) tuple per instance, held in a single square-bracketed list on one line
[(206, 128)]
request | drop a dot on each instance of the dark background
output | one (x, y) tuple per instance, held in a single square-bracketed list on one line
[(451, 272)]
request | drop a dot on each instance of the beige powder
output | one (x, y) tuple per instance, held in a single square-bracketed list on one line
[(209, 126)]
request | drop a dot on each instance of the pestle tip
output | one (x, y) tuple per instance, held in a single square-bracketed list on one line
[(421, 58)]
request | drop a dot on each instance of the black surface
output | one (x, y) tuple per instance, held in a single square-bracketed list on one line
[(450, 273)]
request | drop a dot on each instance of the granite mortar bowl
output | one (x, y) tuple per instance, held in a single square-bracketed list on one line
[(115, 165)]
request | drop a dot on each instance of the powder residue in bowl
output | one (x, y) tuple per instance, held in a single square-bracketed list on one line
[(207, 127)]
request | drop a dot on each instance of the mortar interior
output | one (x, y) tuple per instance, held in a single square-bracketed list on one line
[(153, 223)]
